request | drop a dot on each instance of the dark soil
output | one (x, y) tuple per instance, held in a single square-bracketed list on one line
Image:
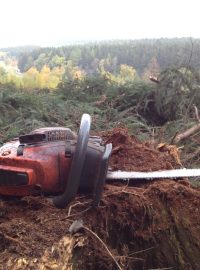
[(152, 226)]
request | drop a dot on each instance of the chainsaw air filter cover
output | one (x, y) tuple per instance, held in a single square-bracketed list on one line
[(55, 161), (49, 134)]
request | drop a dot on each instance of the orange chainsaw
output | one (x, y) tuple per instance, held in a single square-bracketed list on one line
[(55, 161)]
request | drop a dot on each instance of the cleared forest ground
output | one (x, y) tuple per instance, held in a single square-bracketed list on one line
[(148, 225)]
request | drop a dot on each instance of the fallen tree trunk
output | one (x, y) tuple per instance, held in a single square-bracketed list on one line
[(186, 134)]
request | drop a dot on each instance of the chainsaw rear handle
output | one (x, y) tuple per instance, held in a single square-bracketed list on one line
[(73, 182)]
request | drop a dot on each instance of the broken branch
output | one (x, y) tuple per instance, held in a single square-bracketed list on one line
[(193, 155), (196, 113), (187, 133), (109, 252)]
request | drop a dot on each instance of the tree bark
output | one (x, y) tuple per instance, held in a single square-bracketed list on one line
[(187, 133)]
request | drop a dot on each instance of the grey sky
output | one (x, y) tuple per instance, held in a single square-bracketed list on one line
[(55, 22)]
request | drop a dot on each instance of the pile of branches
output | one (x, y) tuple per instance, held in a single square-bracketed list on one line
[(177, 91)]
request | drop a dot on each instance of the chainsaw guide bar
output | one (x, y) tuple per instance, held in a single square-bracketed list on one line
[(176, 173)]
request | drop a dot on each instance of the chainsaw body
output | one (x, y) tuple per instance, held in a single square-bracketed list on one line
[(42, 163)]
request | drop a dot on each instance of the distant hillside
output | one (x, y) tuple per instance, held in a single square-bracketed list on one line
[(143, 55), (114, 60), (16, 51)]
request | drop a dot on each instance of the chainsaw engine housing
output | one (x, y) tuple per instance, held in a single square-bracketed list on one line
[(40, 163)]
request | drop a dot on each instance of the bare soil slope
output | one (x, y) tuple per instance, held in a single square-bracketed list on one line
[(150, 225)]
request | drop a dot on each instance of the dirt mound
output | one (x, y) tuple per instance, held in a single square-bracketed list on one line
[(153, 226), (131, 155)]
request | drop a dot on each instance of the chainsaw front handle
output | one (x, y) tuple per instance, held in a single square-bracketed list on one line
[(78, 159)]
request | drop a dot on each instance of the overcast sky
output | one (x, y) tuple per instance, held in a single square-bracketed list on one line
[(56, 22)]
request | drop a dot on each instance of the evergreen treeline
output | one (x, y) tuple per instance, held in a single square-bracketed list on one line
[(157, 54), (118, 61)]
